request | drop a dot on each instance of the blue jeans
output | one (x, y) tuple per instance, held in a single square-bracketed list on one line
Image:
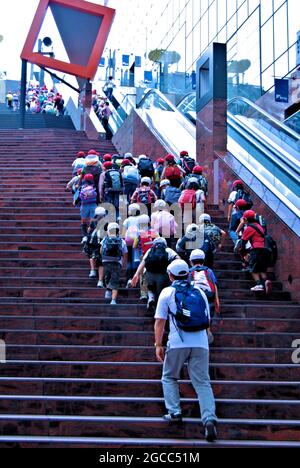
[(197, 360), (113, 198), (130, 188)]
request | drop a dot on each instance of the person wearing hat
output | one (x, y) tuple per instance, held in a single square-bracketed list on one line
[(78, 163), (259, 257), (238, 193), (184, 346), (169, 194), (111, 186), (74, 181), (197, 173), (155, 262), (240, 208), (163, 222), (212, 232), (144, 195), (187, 162), (93, 167), (205, 279), (131, 178), (88, 197), (145, 167), (159, 167), (172, 171), (91, 247), (131, 236), (114, 257)]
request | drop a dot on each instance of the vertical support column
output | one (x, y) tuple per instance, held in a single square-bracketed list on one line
[(212, 113), (23, 93)]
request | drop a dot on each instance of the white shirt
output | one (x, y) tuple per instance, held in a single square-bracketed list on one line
[(131, 221), (231, 201), (197, 339)]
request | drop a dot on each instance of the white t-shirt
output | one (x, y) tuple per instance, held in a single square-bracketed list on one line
[(197, 339), (231, 200), (132, 221)]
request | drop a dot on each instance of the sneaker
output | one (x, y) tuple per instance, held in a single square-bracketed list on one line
[(93, 274), (210, 431), (258, 287), (144, 298), (113, 303), (128, 285), (269, 287), (84, 240), (100, 284), (175, 417), (108, 295), (151, 305)]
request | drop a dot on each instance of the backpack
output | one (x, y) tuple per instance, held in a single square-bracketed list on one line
[(203, 279), (213, 233), (88, 194), (146, 240), (94, 170), (202, 182), (113, 181), (188, 165), (146, 168), (172, 173), (112, 248), (188, 197), (270, 245), (172, 195), (158, 173), (261, 221), (131, 174), (191, 315), (157, 260), (144, 196), (242, 195)]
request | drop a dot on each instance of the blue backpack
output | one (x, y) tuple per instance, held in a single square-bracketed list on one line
[(192, 314)]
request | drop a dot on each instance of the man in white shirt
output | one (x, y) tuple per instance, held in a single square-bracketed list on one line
[(189, 347)]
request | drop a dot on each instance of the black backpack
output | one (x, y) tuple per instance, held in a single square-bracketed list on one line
[(242, 195), (146, 168), (112, 248), (157, 260), (188, 165), (270, 245)]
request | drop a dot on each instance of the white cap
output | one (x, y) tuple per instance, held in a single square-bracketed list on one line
[(160, 205), (164, 183), (113, 227), (144, 219), (128, 155), (142, 156), (146, 180), (204, 217), (178, 268), (197, 255), (160, 240), (134, 208), (100, 212), (192, 230)]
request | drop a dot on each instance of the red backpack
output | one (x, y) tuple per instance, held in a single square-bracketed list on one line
[(172, 173), (188, 197), (147, 239)]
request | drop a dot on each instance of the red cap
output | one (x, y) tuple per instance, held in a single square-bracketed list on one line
[(236, 183), (170, 158), (107, 157), (108, 165), (88, 178), (184, 153), (198, 170), (249, 214), (126, 162), (241, 204), (92, 152), (160, 161), (79, 171), (81, 154)]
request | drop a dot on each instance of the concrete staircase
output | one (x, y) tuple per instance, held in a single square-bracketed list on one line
[(82, 373), (11, 120)]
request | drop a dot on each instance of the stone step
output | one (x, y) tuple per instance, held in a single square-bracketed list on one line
[(147, 370), (135, 323), (144, 407), (142, 353), (140, 338), (108, 426), (93, 309), (70, 291), (140, 387)]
